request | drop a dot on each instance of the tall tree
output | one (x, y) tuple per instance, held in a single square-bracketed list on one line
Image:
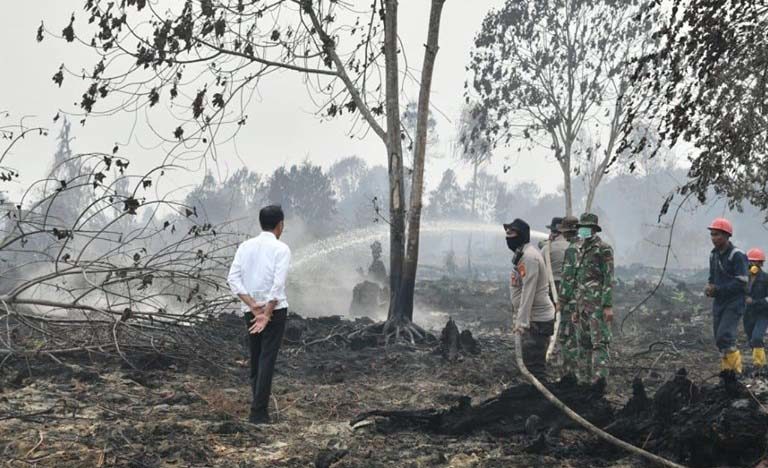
[(544, 70), (474, 146), (305, 192), (447, 201), (359, 190), (708, 80), (64, 172), (409, 120), (215, 52), (489, 188), (404, 306), (234, 197), (346, 176)]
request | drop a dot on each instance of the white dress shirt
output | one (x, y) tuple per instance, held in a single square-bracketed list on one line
[(260, 268)]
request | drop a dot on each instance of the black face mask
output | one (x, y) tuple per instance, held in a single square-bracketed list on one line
[(515, 243)]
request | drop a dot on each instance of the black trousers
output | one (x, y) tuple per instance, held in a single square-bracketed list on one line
[(535, 342), (263, 349)]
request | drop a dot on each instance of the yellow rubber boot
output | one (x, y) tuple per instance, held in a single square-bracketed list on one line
[(758, 357), (732, 361)]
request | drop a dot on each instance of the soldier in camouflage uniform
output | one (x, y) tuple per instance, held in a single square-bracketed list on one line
[(593, 298), (567, 338)]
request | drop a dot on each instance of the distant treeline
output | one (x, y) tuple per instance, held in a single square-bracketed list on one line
[(345, 196)]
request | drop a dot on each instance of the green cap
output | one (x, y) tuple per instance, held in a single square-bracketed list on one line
[(590, 220)]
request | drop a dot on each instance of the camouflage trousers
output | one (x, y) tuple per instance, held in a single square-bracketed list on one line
[(593, 335), (569, 345)]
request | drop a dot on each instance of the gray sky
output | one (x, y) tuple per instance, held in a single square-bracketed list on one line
[(282, 127)]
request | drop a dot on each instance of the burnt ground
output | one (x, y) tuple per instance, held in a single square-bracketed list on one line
[(97, 410)]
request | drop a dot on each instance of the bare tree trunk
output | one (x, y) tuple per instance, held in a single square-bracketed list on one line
[(567, 185), (394, 156), (405, 296), (469, 255), (474, 189), (474, 215), (596, 178), (594, 182)]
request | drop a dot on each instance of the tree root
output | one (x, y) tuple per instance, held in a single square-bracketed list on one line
[(395, 329), (391, 332)]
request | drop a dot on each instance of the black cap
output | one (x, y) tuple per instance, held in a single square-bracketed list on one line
[(569, 224), (521, 227), (555, 224)]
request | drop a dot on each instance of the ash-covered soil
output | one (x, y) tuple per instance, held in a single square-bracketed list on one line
[(99, 410)]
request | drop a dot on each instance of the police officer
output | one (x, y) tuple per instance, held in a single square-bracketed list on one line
[(529, 288)]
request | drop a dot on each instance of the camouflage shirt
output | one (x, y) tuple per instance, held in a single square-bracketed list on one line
[(594, 275)]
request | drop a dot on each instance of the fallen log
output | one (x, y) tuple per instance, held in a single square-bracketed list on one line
[(579, 419), (721, 424), (715, 425), (504, 414), (512, 410)]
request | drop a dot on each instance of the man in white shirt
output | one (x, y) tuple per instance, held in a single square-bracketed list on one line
[(257, 277)]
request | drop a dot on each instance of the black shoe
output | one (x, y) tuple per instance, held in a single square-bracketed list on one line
[(259, 418)]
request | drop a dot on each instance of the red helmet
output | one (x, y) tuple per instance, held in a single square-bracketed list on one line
[(756, 255), (722, 224)]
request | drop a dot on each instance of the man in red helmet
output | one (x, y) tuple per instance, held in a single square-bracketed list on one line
[(756, 315), (728, 279)]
